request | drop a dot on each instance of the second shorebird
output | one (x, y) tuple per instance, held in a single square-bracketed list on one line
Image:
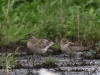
[(71, 48), (38, 46)]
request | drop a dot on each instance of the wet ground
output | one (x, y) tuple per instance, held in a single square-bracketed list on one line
[(25, 63)]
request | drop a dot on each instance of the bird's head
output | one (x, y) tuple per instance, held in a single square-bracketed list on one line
[(64, 41), (30, 36)]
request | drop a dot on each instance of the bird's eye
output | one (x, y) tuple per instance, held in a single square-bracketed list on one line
[(30, 37)]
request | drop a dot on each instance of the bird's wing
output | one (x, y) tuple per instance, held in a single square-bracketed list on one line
[(42, 43), (77, 48), (73, 44)]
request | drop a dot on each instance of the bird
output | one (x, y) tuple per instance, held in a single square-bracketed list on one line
[(38, 46), (46, 72), (70, 48)]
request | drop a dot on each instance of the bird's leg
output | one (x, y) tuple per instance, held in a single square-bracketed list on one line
[(33, 56), (40, 55), (71, 59), (64, 56), (82, 59), (38, 58), (65, 59), (74, 58)]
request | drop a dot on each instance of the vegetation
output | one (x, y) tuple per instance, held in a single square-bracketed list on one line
[(50, 60), (77, 20), (7, 60)]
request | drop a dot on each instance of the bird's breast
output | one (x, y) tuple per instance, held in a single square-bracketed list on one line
[(64, 48)]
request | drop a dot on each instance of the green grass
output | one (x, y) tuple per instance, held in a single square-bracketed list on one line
[(50, 60), (7, 60), (52, 19)]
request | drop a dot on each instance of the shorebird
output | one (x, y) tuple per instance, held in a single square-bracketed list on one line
[(38, 46), (70, 48)]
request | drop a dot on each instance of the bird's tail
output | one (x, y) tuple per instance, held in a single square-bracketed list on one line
[(85, 49), (51, 43)]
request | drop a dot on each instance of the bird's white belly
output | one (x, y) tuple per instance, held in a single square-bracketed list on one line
[(67, 50), (36, 49)]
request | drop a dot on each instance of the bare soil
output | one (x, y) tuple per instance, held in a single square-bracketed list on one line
[(26, 63)]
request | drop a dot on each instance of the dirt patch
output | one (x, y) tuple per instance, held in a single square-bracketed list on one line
[(11, 47), (46, 65)]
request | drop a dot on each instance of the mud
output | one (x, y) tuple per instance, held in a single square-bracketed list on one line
[(26, 63)]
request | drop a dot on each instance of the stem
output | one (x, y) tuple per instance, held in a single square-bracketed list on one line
[(78, 27), (62, 20), (6, 15)]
